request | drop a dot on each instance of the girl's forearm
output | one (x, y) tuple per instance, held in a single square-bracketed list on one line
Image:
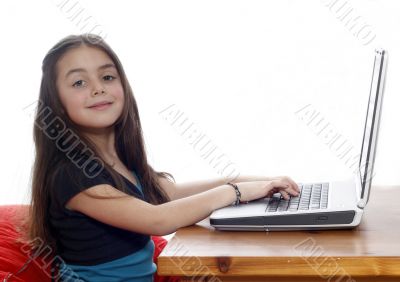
[(186, 189), (189, 210), (194, 187)]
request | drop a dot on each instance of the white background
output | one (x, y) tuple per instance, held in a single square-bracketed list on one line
[(238, 70)]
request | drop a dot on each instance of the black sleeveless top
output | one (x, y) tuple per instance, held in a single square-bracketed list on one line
[(82, 240)]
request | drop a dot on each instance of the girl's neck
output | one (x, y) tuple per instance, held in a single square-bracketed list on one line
[(104, 139)]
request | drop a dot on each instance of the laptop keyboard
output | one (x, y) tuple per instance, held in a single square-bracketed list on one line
[(312, 196)]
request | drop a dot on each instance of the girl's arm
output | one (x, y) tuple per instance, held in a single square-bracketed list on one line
[(182, 190), (113, 207)]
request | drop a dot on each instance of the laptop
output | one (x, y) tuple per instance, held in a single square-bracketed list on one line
[(322, 205)]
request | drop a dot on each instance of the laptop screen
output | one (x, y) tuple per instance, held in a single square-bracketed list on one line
[(368, 149)]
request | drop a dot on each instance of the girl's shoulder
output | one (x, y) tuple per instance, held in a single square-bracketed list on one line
[(69, 179)]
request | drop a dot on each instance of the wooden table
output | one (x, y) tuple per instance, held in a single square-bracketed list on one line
[(370, 252)]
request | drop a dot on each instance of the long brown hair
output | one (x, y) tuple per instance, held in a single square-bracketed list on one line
[(129, 141)]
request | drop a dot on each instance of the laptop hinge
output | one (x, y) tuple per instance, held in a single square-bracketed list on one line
[(361, 204), (357, 180)]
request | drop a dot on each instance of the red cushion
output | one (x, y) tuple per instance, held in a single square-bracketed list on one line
[(13, 253)]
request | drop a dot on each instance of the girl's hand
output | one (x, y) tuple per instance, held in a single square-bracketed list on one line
[(259, 189), (283, 178)]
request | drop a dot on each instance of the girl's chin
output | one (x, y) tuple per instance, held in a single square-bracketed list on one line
[(97, 127)]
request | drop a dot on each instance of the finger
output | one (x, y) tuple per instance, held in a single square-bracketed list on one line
[(292, 183), (273, 191), (292, 191), (285, 194), (287, 188), (269, 194), (277, 184), (289, 181)]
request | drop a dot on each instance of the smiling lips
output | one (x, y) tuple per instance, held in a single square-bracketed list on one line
[(100, 105)]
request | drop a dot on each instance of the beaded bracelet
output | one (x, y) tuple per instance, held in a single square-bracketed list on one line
[(238, 194)]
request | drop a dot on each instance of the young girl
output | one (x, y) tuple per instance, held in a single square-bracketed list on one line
[(95, 198)]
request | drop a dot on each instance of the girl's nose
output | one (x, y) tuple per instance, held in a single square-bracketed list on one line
[(98, 91), (97, 87)]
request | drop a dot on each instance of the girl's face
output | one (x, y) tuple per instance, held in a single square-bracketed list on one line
[(87, 76)]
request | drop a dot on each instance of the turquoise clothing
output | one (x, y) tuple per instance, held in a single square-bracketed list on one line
[(136, 267)]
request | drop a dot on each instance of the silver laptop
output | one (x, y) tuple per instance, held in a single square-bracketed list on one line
[(326, 205)]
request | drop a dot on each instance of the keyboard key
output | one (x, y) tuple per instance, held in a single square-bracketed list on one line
[(283, 205)]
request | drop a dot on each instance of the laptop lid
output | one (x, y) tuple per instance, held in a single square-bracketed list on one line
[(371, 128)]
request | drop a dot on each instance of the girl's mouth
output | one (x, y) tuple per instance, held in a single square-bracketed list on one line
[(101, 106)]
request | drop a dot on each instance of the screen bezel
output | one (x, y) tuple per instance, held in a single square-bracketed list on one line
[(371, 127)]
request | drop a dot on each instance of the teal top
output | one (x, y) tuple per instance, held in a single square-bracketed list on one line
[(136, 267)]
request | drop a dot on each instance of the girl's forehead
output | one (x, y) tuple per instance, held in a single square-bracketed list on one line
[(84, 57)]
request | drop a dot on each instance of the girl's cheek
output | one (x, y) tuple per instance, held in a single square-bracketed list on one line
[(77, 102), (120, 92)]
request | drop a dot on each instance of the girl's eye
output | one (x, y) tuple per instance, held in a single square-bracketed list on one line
[(108, 77), (79, 83)]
